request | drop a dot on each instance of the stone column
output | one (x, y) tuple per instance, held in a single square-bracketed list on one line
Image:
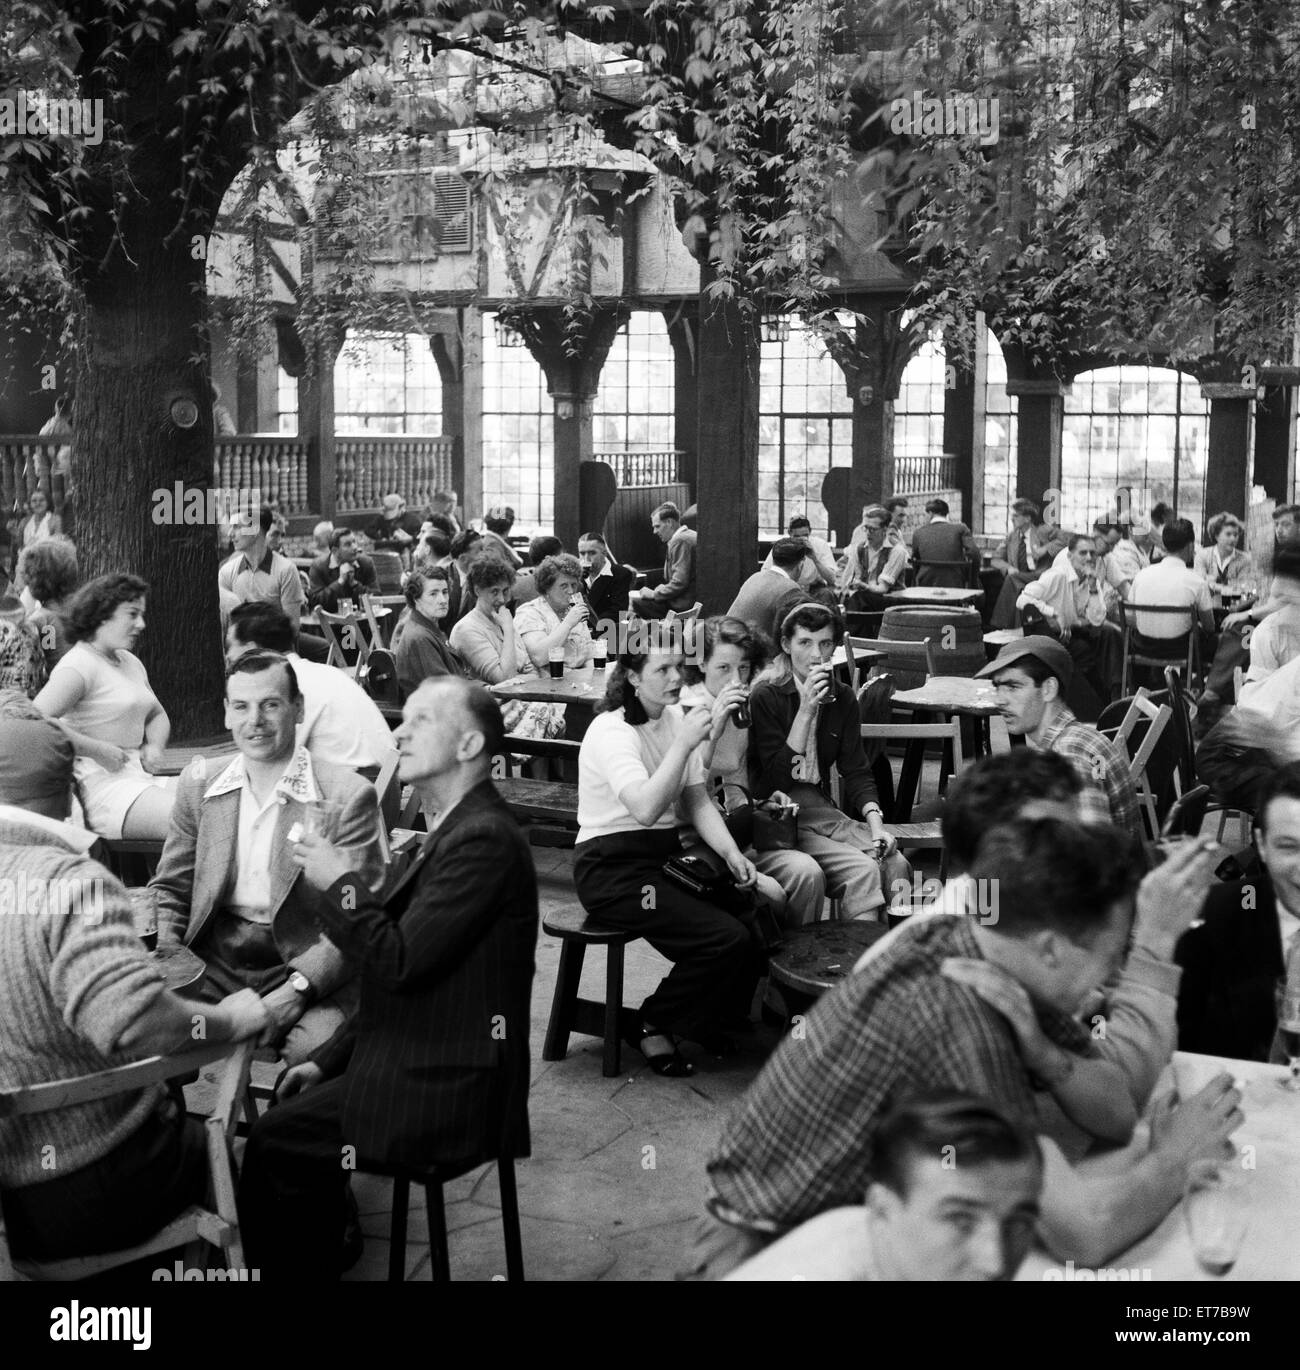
[(1040, 419), (1227, 467)]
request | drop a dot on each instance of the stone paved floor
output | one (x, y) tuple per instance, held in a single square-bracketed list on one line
[(617, 1171)]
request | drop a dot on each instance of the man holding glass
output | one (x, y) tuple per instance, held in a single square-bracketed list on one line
[(227, 885)]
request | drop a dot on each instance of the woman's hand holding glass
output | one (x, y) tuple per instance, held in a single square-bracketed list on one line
[(725, 705)]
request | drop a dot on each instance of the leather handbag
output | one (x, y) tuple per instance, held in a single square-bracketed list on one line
[(704, 876), (766, 826)]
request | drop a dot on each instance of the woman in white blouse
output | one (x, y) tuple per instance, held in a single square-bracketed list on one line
[(1222, 562), (100, 693), (558, 617), (489, 641), (640, 775)]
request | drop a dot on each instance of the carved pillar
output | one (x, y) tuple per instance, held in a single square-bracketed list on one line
[(571, 354), (449, 354), (684, 334), (316, 422), (1040, 420), (959, 432)]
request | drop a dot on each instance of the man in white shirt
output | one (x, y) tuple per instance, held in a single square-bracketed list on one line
[(818, 567), (1068, 603), (1250, 742), (227, 885), (1276, 640), (953, 1196), (875, 567), (1172, 582), (341, 723)]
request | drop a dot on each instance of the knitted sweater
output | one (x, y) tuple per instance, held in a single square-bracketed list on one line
[(73, 978)]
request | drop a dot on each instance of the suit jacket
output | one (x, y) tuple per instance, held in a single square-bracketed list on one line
[(1231, 964), (765, 599), (199, 858), (942, 542), (324, 589), (609, 595), (1009, 552), (437, 1057)]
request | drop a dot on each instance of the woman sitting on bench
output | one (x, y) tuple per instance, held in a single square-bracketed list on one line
[(641, 774)]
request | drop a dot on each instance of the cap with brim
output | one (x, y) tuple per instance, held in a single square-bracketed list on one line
[(1044, 649)]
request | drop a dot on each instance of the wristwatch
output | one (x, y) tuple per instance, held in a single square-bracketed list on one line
[(300, 984)]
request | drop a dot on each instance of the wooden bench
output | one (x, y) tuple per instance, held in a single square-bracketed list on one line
[(569, 1013), (549, 807)]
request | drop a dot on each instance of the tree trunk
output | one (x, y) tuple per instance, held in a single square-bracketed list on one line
[(143, 353)]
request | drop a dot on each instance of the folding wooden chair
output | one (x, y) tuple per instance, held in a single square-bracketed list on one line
[(382, 625), (1183, 649), (1157, 717), (216, 1224), (911, 836), (345, 634)]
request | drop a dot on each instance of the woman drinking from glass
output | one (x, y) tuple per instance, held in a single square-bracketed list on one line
[(640, 775), (557, 619), (733, 653)]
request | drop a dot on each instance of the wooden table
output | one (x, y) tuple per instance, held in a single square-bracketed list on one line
[(215, 753), (942, 695), (863, 657), (819, 956), (580, 694), (916, 595), (1270, 1250)]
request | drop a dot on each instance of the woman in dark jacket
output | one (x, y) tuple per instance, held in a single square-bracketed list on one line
[(424, 650)]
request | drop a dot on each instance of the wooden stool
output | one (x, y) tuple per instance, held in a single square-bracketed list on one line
[(568, 1012), (433, 1178)]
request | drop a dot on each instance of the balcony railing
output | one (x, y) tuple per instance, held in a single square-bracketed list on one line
[(918, 475), (636, 470), (260, 470), (368, 468)]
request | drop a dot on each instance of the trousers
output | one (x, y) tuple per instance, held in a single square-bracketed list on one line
[(716, 967)]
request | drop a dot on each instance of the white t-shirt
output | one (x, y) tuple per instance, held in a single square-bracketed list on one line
[(340, 722), (614, 755), (835, 1245), (1168, 582), (116, 700)]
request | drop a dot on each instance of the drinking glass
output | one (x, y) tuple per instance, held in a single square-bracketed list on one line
[(321, 818), (144, 913), (1287, 999), (555, 661), (1216, 1206)]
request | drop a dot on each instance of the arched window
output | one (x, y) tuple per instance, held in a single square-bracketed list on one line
[(805, 426), (387, 383), (1144, 429), (518, 434), (633, 409)]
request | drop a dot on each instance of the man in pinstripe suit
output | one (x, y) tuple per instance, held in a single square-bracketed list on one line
[(434, 1069)]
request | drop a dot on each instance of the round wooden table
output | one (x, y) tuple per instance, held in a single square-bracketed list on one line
[(942, 695), (934, 594), (819, 956)]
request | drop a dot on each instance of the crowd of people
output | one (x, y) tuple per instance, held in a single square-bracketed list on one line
[(397, 997)]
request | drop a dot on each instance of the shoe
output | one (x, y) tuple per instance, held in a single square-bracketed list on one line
[(660, 1051), (714, 1040)]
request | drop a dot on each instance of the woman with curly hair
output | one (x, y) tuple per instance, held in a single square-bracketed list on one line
[(558, 616), (489, 641), (100, 694), (1221, 561), (641, 776), (48, 568)]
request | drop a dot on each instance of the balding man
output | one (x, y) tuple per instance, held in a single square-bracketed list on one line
[(434, 1068)]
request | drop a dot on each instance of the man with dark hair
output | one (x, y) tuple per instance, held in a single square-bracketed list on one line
[(227, 886), (1069, 603), (938, 544), (255, 573), (1172, 582), (896, 508), (340, 723), (676, 593), (1030, 548), (953, 1195), (768, 595), (464, 546), (433, 1070), (1232, 962), (541, 547), (606, 584), (498, 521), (986, 1007), (343, 573), (1032, 677), (819, 566)]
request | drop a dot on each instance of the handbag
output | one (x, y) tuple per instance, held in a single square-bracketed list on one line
[(700, 876), (767, 825)]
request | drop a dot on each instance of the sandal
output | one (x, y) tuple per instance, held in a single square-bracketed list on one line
[(663, 1062)]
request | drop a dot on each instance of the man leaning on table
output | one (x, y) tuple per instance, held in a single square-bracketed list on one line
[(227, 885), (986, 1007)]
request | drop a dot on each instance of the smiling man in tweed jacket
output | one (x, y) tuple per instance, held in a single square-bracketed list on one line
[(227, 885)]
